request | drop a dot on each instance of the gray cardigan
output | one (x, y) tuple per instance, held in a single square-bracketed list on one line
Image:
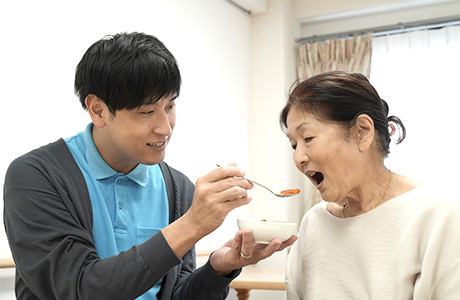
[(48, 221)]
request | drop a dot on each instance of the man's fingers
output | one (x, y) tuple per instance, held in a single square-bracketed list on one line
[(226, 172), (246, 250)]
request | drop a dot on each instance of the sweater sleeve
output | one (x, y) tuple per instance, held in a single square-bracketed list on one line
[(48, 221), (447, 286), (440, 243)]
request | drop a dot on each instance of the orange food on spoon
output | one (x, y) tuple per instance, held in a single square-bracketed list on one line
[(293, 191)]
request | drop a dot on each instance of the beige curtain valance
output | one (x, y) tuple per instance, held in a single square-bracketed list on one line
[(351, 55)]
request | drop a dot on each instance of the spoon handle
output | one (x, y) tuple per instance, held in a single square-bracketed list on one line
[(261, 185)]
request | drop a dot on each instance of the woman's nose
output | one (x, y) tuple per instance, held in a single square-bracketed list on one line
[(300, 157)]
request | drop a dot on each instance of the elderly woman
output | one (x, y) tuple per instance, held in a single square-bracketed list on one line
[(377, 234)]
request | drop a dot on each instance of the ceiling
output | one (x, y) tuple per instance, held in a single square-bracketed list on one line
[(254, 6)]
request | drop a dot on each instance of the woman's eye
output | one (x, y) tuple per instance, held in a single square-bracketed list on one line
[(294, 146), (308, 139)]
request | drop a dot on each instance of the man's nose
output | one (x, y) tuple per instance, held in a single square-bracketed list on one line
[(162, 124)]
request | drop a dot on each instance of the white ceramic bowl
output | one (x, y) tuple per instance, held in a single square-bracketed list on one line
[(265, 231)]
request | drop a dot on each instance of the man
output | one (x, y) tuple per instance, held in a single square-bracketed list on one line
[(100, 216)]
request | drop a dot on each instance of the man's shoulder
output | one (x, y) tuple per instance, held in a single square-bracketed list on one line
[(178, 180), (55, 155), (53, 161), (172, 172), (47, 152)]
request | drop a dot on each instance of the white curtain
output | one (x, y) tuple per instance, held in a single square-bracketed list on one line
[(418, 74)]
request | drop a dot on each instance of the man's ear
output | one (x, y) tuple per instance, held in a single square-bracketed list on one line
[(96, 109), (365, 131)]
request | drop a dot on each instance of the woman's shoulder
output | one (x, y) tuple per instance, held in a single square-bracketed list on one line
[(316, 211), (429, 202)]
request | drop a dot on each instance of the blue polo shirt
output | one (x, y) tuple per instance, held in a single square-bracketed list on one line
[(127, 209)]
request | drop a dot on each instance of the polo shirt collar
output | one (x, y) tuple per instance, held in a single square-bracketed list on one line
[(102, 170)]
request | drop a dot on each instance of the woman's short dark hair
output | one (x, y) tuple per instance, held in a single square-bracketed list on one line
[(127, 70), (340, 97)]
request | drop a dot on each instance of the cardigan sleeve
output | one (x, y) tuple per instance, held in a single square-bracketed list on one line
[(185, 282), (48, 221)]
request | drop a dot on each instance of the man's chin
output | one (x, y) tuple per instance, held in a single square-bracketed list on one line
[(153, 160)]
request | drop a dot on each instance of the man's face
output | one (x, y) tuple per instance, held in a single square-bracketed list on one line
[(137, 136)]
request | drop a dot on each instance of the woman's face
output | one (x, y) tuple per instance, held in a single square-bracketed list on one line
[(325, 152)]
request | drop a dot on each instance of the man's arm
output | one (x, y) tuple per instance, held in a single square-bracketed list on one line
[(48, 220), (212, 280)]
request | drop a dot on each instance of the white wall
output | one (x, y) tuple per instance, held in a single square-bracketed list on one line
[(42, 42), (236, 71), (272, 73)]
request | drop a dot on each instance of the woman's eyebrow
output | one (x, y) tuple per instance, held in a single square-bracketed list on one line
[(298, 128), (301, 125)]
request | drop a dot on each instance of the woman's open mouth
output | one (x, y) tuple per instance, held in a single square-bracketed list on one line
[(316, 177)]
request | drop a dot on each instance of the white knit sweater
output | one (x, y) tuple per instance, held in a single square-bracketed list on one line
[(407, 248)]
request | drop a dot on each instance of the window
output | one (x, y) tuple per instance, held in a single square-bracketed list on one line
[(418, 74)]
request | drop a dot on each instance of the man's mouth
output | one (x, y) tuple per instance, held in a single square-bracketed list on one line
[(156, 145), (316, 177)]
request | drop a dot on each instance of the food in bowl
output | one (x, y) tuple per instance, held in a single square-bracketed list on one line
[(264, 231)]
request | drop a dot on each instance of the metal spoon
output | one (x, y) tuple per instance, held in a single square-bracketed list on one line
[(283, 194), (287, 193)]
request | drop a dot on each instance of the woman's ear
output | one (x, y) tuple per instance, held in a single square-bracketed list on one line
[(96, 109), (364, 128)]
